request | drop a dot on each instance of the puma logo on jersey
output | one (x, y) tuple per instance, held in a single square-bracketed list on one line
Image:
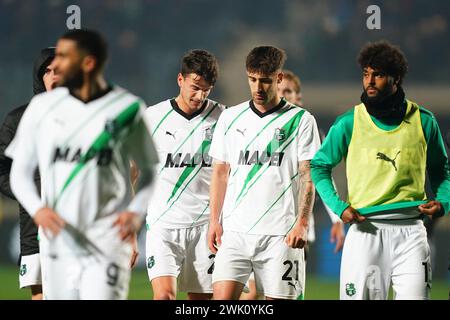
[(171, 134), (241, 131), (384, 157), (274, 159), (180, 160), (292, 285), (66, 154)]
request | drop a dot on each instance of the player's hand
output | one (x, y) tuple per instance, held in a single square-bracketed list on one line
[(298, 236), (215, 232), (129, 224), (135, 252), (351, 215), (431, 208), (337, 234), (49, 220)]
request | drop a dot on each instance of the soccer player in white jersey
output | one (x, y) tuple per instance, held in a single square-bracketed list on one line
[(261, 192), (82, 136), (178, 211), (290, 89)]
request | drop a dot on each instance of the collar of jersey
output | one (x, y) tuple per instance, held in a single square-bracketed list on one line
[(96, 96), (263, 114), (184, 114)]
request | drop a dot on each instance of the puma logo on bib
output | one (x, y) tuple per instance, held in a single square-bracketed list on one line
[(384, 157)]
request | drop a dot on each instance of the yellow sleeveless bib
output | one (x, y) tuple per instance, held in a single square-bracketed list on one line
[(385, 167)]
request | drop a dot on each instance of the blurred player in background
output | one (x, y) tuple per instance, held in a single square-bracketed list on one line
[(178, 211), (389, 144), (82, 136), (44, 79), (262, 187), (290, 89)]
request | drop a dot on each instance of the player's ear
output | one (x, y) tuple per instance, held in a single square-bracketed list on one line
[(280, 76), (88, 64), (180, 79)]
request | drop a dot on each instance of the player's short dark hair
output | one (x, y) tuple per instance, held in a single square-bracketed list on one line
[(290, 76), (202, 63), (265, 60), (384, 56), (91, 42)]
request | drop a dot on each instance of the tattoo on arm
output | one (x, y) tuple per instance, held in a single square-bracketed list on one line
[(306, 191)]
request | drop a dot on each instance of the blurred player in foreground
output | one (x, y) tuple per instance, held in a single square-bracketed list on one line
[(82, 136), (389, 144)]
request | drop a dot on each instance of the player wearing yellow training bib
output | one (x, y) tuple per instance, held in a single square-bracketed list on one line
[(389, 144)]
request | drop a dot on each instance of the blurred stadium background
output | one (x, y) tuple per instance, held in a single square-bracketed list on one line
[(321, 37)]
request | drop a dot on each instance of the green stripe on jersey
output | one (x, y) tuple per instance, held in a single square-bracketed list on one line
[(162, 120), (260, 175), (260, 131), (179, 195), (276, 200), (192, 131), (121, 122), (91, 117), (203, 149), (201, 214), (289, 127), (234, 120)]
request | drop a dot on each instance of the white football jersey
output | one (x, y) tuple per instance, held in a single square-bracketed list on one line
[(83, 151), (180, 196), (264, 151)]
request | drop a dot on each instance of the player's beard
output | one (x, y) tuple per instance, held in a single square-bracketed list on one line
[(73, 80), (385, 104), (380, 97)]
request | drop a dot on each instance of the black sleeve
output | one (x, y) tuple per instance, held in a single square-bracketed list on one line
[(7, 132)]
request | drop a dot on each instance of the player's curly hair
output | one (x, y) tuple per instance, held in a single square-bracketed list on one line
[(265, 60), (384, 56), (202, 63)]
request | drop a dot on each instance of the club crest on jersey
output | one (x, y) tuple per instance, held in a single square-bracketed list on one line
[(280, 134), (350, 289), (23, 270), (111, 126), (208, 134)]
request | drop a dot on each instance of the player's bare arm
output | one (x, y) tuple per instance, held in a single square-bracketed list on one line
[(297, 237), (134, 174), (217, 192)]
